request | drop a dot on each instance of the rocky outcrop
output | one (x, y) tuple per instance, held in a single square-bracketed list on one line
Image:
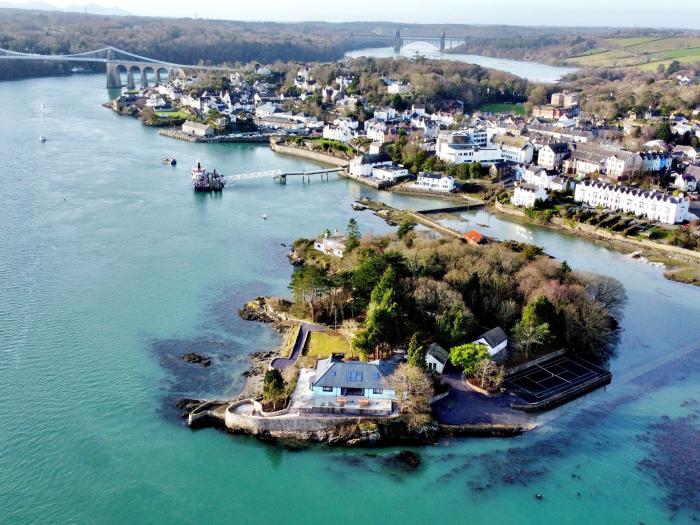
[(257, 310), (196, 359)]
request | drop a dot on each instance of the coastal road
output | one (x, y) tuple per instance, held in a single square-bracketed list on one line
[(281, 363)]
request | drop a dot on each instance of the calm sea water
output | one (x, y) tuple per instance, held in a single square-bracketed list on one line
[(534, 71), (110, 267)]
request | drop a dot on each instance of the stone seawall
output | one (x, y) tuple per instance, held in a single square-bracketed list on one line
[(588, 230), (308, 154)]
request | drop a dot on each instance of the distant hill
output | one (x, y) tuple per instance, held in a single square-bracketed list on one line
[(93, 9)]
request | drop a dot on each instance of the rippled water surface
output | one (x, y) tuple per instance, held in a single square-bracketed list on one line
[(110, 267)]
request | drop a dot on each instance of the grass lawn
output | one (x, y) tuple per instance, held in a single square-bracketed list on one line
[(173, 115), (322, 344), (498, 107)]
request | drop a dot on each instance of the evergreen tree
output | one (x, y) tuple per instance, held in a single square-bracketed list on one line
[(416, 352)]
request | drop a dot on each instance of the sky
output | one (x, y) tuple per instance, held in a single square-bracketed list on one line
[(627, 13)]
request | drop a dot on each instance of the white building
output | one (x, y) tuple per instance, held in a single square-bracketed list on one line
[(685, 182), (436, 358), (514, 149), (428, 181), (467, 153), (552, 155), (391, 173), (653, 205), (398, 88), (495, 340), (197, 129), (331, 244), (526, 194), (364, 165), (339, 133), (539, 176)]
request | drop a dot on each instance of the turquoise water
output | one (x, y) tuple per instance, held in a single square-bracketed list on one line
[(534, 71), (110, 267)]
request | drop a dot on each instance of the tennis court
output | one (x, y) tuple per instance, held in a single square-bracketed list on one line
[(558, 379)]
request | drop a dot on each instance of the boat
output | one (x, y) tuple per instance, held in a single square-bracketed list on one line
[(264, 216), (170, 161), (358, 206), (42, 138), (206, 181), (78, 69)]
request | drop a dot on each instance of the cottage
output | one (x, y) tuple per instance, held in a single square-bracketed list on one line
[(539, 176), (527, 194), (686, 151), (496, 341), (197, 129), (436, 358), (331, 244)]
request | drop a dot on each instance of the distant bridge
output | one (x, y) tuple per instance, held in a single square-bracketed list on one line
[(399, 41), (280, 176), (119, 62)]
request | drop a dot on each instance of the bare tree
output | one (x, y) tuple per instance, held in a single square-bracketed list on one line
[(414, 389), (490, 375), (608, 292)]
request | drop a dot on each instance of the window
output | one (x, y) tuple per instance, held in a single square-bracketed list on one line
[(377, 390), (328, 389)]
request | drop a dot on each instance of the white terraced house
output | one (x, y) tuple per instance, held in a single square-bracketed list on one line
[(514, 149), (653, 205), (526, 194)]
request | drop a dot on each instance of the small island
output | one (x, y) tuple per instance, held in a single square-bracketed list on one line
[(407, 338)]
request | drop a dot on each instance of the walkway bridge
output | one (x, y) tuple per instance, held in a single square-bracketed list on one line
[(398, 41), (119, 62), (280, 176)]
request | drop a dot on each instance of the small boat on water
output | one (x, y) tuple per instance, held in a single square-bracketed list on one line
[(358, 206), (42, 138), (483, 225), (170, 161), (634, 255), (206, 181)]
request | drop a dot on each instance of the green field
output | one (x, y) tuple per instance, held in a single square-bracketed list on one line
[(645, 53), (177, 115), (626, 42), (323, 344), (500, 107)]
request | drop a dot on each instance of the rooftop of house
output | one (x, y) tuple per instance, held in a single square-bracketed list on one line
[(494, 337), (559, 148), (439, 353), (332, 372)]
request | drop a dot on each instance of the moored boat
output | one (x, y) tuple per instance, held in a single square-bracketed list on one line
[(170, 161), (205, 181)]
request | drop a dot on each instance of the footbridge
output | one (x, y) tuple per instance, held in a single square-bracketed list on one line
[(399, 40), (281, 176), (120, 65)]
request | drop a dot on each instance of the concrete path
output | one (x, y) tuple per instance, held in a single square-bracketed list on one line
[(281, 363)]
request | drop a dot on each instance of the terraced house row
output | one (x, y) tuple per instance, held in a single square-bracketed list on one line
[(653, 205)]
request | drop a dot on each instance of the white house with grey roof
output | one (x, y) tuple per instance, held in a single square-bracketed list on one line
[(436, 358), (496, 342), (337, 378)]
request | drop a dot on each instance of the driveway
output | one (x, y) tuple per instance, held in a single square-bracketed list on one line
[(281, 363), (465, 406)]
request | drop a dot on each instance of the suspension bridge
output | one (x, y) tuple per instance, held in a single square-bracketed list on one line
[(120, 64)]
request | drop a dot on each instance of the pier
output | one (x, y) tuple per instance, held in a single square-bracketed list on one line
[(281, 177)]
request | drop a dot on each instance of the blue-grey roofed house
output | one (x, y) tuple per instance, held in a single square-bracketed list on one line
[(337, 378)]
